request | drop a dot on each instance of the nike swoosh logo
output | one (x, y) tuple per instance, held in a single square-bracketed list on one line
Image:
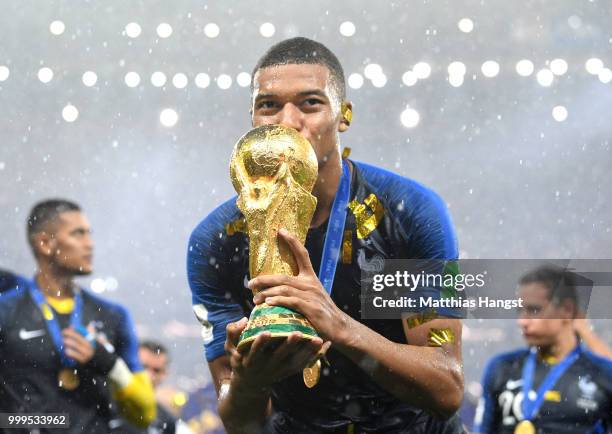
[(513, 384), (30, 334)]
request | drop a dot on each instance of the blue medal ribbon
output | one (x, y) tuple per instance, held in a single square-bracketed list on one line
[(335, 230), (53, 325), (531, 407)]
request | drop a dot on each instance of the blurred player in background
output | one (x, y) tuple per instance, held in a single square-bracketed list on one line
[(63, 349), (568, 388)]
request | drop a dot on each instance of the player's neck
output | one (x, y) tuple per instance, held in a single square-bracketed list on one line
[(325, 188), (564, 344), (53, 283)]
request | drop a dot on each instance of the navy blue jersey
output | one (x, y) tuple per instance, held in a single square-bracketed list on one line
[(389, 217), (30, 363), (10, 280), (580, 402)]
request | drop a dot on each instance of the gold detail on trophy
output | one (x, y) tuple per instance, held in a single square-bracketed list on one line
[(274, 168), (347, 247), (525, 427), (263, 321), (238, 225), (312, 373), (439, 337), (346, 151), (367, 214), (68, 379)]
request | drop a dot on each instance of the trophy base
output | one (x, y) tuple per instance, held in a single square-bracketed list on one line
[(279, 321)]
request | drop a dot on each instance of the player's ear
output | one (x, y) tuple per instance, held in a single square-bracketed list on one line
[(346, 111), (43, 243)]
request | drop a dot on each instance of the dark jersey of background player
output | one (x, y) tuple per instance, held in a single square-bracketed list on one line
[(84, 365), (580, 402), (401, 219), (30, 363), (581, 399), (10, 280)]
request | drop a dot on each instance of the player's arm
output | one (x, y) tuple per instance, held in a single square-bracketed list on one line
[(132, 387), (582, 326), (429, 378), (244, 379), (241, 409)]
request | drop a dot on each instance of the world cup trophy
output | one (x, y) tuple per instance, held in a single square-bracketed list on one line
[(273, 169)]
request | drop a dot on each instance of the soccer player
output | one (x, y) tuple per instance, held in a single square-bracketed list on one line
[(382, 376), (568, 388), (154, 357), (63, 349)]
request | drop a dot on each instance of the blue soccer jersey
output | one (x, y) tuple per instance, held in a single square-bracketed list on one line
[(580, 401), (389, 217), (30, 362)]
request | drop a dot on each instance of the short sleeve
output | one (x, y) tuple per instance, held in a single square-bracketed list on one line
[(206, 271)]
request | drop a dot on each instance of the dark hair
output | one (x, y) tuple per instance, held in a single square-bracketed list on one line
[(303, 51), (561, 283), (153, 346), (46, 211)]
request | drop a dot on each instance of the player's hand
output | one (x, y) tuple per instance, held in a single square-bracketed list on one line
[(76, 346), (303, 293), (268, 360)]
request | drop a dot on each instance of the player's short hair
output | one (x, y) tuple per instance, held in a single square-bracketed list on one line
[(153, 346), (46, 212), (302, 50), (561, 284)]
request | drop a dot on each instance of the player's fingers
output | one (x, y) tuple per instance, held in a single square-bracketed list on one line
[(294, 342), (294, 303), (233, 331), (257, 350), (76, 338), (287, 291), (70, 332), (76, 354), (308, 353), (261, 283), (299, 251)]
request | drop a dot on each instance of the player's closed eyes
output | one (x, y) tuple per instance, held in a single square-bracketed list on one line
[(312, 102), (266, 105)]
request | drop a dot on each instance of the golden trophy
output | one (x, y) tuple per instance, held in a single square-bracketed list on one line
[(273, 169)]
